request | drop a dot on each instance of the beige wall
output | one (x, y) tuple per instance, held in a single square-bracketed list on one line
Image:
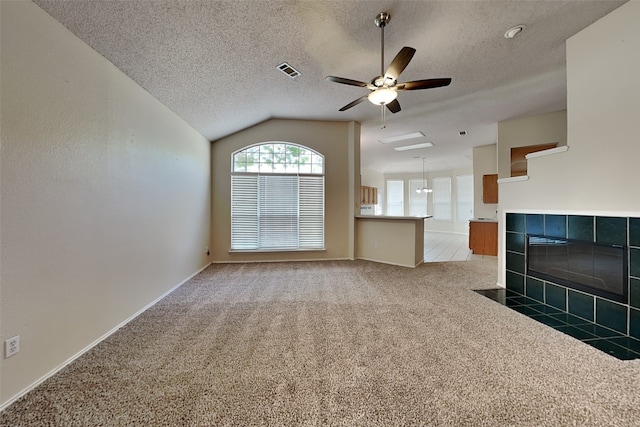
[(485, 162), (597, 175), (339, 142), (525, 131), (372, 178), (105, 197)]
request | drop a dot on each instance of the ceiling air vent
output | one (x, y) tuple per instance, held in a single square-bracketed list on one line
[(288, 70)]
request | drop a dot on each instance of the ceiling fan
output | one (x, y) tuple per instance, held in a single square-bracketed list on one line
[(383, 89)]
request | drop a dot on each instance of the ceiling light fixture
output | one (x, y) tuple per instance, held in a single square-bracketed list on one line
[(404, 137), (424, 188), (514, 31), (382, 96), (414, 146)]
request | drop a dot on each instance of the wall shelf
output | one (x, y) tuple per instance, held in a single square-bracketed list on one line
[(548, 152), (513, 179)]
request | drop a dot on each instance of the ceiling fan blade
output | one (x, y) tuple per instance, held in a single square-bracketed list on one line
[(346, 81), (394, 106), (354, 103), (399, 63), (423, 84)]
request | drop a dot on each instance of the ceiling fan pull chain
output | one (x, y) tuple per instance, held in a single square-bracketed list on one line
[(382, 124)]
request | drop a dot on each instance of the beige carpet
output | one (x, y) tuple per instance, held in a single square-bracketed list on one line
[(337, 343)]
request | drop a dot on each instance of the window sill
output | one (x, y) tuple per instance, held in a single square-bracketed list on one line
[(253, 251)]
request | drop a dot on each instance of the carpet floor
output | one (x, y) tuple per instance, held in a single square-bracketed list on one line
[(339, 343)]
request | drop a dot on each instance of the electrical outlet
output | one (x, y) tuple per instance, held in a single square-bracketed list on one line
[(375, 245), (11, 346)]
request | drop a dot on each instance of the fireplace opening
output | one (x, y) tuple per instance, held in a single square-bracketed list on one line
[(596, 268)]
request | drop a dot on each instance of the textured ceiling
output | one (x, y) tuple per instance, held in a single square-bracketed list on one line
[(214, 63)]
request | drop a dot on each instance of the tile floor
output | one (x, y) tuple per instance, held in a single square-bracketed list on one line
[(604, 339), (441, 246)]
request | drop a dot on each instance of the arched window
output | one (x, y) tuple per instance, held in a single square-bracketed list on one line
[(277, 198)]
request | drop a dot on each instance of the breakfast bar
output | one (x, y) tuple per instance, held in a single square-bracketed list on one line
[(397, 240)]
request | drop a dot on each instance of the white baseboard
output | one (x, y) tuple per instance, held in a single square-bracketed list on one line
[(96, 342), (279, 260)]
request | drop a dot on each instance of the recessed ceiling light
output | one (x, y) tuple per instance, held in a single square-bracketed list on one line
[(514, 31), (414, 146), (397, 138)]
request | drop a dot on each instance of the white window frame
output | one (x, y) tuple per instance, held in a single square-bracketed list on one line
[(293, 219)]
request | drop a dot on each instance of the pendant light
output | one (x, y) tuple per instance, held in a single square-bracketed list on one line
[(424, 188)]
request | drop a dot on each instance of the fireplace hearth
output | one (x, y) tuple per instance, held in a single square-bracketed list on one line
[(587, 266)]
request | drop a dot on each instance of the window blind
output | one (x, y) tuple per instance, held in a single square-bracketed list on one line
[(277, 212), (244, 212), (395, 197), (442, 198), (417, 201)]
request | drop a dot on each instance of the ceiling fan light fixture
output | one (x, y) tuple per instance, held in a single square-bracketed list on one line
[(382, 96)]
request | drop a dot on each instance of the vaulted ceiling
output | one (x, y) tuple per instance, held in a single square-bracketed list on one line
[(214, 63)]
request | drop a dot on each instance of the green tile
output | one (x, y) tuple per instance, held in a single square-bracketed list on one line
[(534, 224), (570, 319), (515, 282), (515, 222), (580, 227), (515, 242), (634, 292), (598, 330), (634, 262), (520, 300), (578, 333), (612, 349), (555, 225), (611, 230), (611, 315), (547, 320), (494, 294), (515, 262), (580, 304), (630, 343), (524, 309), (534, 289), (555, 296), (634, 323), (546, 309), (634, 232)]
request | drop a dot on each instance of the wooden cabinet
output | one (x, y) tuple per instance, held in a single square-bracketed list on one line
[(368, 195), (483, 237), (490, 188)]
